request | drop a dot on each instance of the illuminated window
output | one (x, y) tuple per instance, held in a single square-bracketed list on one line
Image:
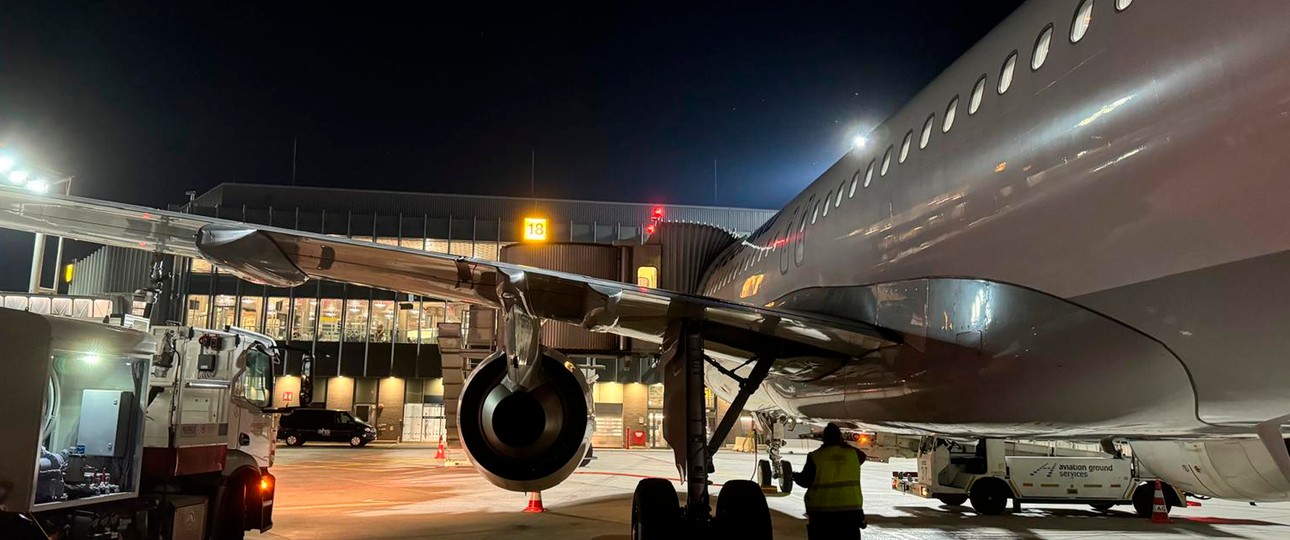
[(196, 312), (464, 248), (1041, 48), (329, 319), (275, 317), (1121, 5), (951, 111), (303, 320), (647, 276), (868, 173), (1083, 18), (855, 181), (904, 146), (382, 320), (406, 323), (487, 251), (837, 201), (815, 212), (826, 200), (436, 245), (225, 313), (927, 132), (1005, 75), (251, 307), (432, 313), (413, 243), (387, 241), (355, 321), (978, 92), (201, 266), (886, 161)]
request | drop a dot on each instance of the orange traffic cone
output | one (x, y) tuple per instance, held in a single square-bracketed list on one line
[(535, 503), (1159, 510), (442, 452)]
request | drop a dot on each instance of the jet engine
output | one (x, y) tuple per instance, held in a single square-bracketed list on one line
[(1238, 469), (530, 434)]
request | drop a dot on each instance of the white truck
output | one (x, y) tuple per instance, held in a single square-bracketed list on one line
[(119, 431), (983, 473)]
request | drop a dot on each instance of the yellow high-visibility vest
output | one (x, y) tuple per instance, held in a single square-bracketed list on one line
[(837, 480)]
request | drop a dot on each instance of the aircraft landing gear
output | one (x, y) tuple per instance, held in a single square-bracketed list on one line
[(774, 469), (741, 506)]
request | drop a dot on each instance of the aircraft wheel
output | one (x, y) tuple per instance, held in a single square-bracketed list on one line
[(656, 515), (989, 496), (742, 512), (785, 476), (952, 500), (764, 473), (1102, 507)]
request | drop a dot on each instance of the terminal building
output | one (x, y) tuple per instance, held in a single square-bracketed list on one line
[(380, 353)]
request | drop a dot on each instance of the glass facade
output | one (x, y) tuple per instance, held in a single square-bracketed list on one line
[(276, 311), (303, 320), (325, 319)]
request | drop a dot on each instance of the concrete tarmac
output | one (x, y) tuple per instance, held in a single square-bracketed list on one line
[(398, 491)]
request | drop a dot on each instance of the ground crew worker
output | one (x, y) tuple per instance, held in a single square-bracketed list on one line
[(834, 503)]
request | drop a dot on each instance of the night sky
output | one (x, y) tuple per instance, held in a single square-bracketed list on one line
[(619, 101)]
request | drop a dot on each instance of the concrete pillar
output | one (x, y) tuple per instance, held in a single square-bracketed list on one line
[(390, 397), (286, 383), (340, 393)]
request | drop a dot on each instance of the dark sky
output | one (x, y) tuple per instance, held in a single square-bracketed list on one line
[(620, 101)]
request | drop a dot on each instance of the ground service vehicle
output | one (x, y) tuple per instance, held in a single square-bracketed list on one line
[(986, 476), (299, 425), (115, 432)]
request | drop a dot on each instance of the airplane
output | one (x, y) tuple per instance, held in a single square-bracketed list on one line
[(1079, 230)]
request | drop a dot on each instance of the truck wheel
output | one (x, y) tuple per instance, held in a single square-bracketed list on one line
[(989, 496), (742, 512), (785, 476), (656, 515), (952, 500), (232, 523), (763, 473), (295, 440), (356, 441), (1102, 507)]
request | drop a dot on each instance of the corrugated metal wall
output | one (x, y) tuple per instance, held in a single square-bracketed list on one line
[(593, 260), (687, 250), (111, 270)]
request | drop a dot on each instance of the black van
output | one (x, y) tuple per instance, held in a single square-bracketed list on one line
[(303, 424)]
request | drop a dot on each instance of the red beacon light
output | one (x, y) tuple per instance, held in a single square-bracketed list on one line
[(658, 213), (649, 229)]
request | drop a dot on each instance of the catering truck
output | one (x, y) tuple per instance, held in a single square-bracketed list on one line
[(117, 430), (985, 474)]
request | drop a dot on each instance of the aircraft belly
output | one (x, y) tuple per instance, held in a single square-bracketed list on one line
[(1228, 325), (987, 358)]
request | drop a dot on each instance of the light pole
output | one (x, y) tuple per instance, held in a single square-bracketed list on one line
[(18, 176)]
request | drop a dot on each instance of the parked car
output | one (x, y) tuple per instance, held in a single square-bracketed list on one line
[(299, 425)]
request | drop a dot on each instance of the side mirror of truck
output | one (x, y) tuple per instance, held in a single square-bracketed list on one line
[(306, 380)]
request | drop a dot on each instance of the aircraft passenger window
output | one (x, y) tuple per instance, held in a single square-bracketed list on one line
[(1041, 48), (838, 201), (800, 252), (950, 111), (827, 198), (855, 179), (1083, 17), (815, 214), (1005, 76), (886, 161), (1121, 5), (978, 92), (868, 173), (904, 147), (927, 132)]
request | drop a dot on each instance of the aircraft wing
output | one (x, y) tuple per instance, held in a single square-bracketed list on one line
[(285, 258)]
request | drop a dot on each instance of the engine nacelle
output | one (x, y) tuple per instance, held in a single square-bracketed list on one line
[(526, 438), (1239, 469)]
